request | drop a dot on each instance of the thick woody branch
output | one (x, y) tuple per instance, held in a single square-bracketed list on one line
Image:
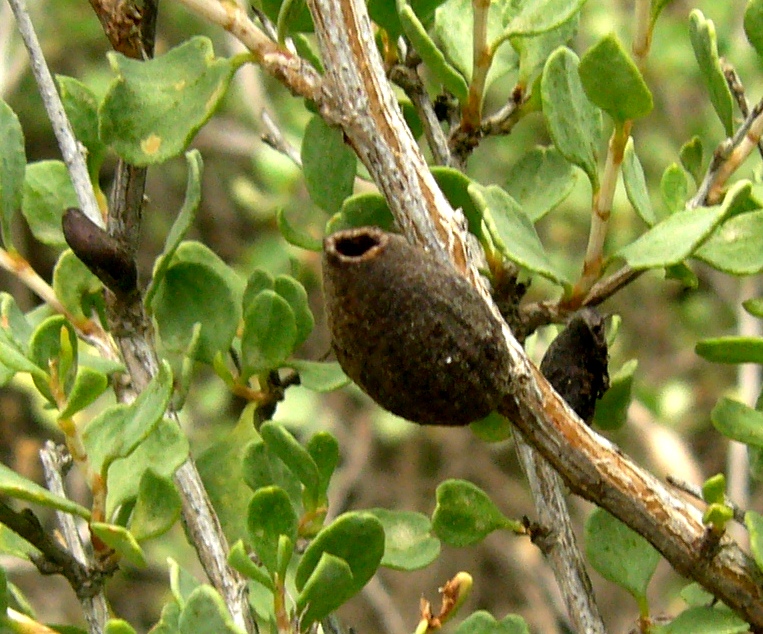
[(588, 463), (356, 86)]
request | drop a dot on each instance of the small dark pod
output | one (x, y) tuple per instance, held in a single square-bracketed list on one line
[(411, 332), (575, 363)]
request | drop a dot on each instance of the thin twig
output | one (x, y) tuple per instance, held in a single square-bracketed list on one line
[(737, 90), (93, 603), (275, 139), (70, 149)]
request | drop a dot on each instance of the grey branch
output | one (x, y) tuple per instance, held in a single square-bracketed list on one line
[(70, 149)]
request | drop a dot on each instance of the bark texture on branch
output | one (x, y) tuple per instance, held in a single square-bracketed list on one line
[(355, 85)]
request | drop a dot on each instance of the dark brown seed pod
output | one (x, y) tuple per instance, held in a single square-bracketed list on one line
[(575, 363), (411, 332)]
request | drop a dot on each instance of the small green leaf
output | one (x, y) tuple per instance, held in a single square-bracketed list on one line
[(635, 184), (408, 544), (482, 622), (612, 409), (361, 210), (157, 507), (81, 106), (46, 350), (270, 515), (73, 284), (118, 626), (330, 584), (15, 486), (674, 188), (731, 349), (738, 421), (121, 540), (754, 306), (465, 515), (753, 24), (205, 612), (674, 239), (714, 489), (163, 451), (12, 166), (294, 293), (262, 468), (431, 55), (754, 523), (539, 181), (319, 376), (534, 50), (705, 45), (538, 16), (270, 333), (192, 293), (154, 108), (695, 595), (619, 554), (717, 516), (295, 236), (493, 428), (612, 81), (259, 280), (356, 538), (574, 123), (11, 357), (455, 185), (691, 158), (324, 450), (512, 232), (222, 469), (735, 247), (322, 143), (293, 455), (118, 430), (241, 561), (88, 385), (182, 583), (297, 18), (48, 192), (182, 224), (704, 620)]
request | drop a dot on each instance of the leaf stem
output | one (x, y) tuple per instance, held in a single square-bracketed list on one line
[(482, 58), (70, 149)]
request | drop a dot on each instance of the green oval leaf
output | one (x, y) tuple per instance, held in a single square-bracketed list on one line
[(731, 349), (323, 145), (270, 333), (612, 408), (294, 293), (754, 523), (455, 185), (735, 248), (121, 540), (704, 620), (635, 184), (465, 514), (619, 554), (574, 123), (482, 622), (612, 81), (295, 236), (362, 210), (408, 544), (538, 16), (157, 507), (705, 45), (294, 456), (48, 192), (269, 516), (12, 166), (15, 486), (154, 108), (205, 611), (331, 584), (738, 421), (753, 24), (674, 188), (319, 376), (88, 385)]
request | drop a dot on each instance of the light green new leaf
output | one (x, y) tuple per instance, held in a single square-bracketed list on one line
[(122, 541), (362, 210), (182, 224), (205, 612), (296, 296), (574, 123), (691, 158), (735, 248), (409, 543), (753, 24), (15, 486), (330, 584), (118, 430), (12, 166), (296, 236), (674, 187), (754, 523), (705, 45), (118, 626), (293, 455), (704, 620), (678, 236), (512, 232), (635, 184), (270, 515), (612, 81), (612, 409), (731, 349), (73, 282), (455, 185), (48, 192), (154, 108), (323, 146), (540, 180), (88, 385), (619, 554)]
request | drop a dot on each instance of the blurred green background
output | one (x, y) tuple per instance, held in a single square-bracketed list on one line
[(385, 461)]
